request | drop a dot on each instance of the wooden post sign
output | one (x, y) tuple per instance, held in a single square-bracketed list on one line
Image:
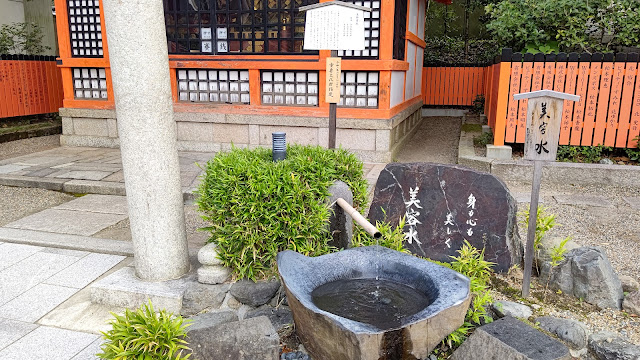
[(544, 113), (334, 25)]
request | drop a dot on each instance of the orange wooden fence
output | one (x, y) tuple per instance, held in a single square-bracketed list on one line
[(29, 85), (452, 85), (608, 112)]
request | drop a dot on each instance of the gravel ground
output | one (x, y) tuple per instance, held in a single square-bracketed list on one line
[(28, 146), (16, 203), (436, 140)]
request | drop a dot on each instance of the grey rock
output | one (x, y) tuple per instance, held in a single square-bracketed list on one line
[(232, 302), (587, 274), (250, 339), (216, 274), (254, 293), (543, 256), (509, 338), (629, 284), (631, 303), (279, 316), (208, 255), (510, 308), (609, 346), (340, 223), (606, 161), (198, 297), (207, 321), (329, 336), (451, 204), (295, 355), (572, 332)]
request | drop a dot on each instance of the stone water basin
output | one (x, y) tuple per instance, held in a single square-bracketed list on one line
[(372, 303)]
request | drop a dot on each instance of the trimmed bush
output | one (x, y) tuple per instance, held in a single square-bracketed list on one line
[(257, 208)]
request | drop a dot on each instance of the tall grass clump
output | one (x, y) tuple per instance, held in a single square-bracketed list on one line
[(256, 207)]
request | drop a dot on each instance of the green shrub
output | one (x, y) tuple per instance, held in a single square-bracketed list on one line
[(478, 105), (483, 139), (21, 38), (145, 334), (471, 263), (257, 208), (392, 237), (584, 154)]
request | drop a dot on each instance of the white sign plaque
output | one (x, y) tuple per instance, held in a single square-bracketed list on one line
[(334, 27), (221, 33), (205, 33)]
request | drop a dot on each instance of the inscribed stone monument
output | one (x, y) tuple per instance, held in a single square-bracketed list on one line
[(443, 206)]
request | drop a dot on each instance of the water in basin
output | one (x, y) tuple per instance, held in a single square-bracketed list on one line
[(382, 303)]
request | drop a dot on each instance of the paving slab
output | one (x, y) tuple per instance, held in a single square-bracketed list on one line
[(12, 330), (7, 169), (525, 197), (586, 200), (89, 353), (85, 174), (67, 222), (634, 202), (41, 172), (46, 160), (67, 252), (66, 241), (13, 253), (35, 302), (124, 289), (108, 204), (29, 272), (86, 270), (48, 343)]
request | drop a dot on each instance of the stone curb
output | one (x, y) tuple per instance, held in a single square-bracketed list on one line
[(77, 186), (554, 173), (50, 130), (66, 241)]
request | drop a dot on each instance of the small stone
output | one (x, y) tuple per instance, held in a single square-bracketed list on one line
[(213, 274), (609, 346), (536, 306), (232, 302), (510, 308), (629, 284), (198, 297), (631, 303), (208, 255), (254, 293), (254, 339), (571, 332), (606, 161), (203, 322), (280, 317)]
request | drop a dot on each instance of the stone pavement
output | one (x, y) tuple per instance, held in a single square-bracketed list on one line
[(34, 281)]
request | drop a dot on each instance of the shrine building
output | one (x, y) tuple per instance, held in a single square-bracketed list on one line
[(239, 72)]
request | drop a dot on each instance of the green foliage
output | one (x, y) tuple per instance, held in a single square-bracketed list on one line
[(392, 237), (544, 223), (584, 154), (576, 25), (558, 251), (483, 139), (257, 208), (145, 335), (18, 38), (478, 105), (546, 48), (634, 153), (470, 262), (451, 50)]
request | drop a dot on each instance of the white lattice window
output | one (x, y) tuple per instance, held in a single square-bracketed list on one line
[(359, 89), (214, 86), (90, 83), (299, 88), (84, 28)]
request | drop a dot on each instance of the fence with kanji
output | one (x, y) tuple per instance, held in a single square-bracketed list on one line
[(608, 112), (29, 85)]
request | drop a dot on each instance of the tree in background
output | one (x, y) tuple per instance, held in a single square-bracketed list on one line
[(21, 38), (565, 25)]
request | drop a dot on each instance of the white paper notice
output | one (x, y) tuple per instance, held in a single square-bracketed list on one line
[(334, 28)]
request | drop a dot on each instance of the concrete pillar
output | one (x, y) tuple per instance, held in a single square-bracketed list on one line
[(144, 108)]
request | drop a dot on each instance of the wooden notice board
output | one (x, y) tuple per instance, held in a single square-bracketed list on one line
[(333, 80)]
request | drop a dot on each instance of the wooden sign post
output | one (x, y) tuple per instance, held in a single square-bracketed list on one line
[(544, 113), (334, 25)]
